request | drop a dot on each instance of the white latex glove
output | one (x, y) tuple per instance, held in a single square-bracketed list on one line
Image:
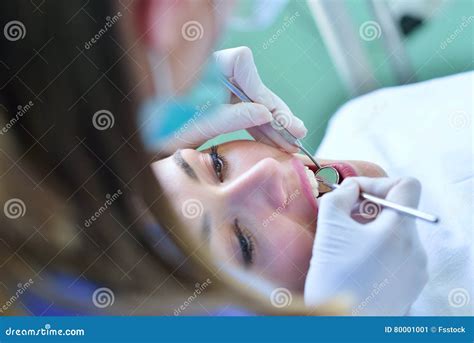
[(381, 265), (238, 65)]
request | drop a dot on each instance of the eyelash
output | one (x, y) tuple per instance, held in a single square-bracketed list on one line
[(246, 243), (219, 163)]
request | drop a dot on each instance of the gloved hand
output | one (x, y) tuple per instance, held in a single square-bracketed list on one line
[(238, 65), (381, 265)]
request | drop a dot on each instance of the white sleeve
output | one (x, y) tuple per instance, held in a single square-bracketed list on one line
[(423, 130)]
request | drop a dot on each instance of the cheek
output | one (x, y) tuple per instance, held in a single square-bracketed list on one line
[(290, 250)]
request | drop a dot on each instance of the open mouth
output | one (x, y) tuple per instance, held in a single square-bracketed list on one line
[(345, 170), (312, 188), (319, 188)]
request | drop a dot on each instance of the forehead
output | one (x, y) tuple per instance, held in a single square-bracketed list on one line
[(180, 191)]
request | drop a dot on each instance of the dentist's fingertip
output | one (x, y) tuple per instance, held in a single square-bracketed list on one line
[(342, 198), (349, 183), (304, 131), (300, 127)]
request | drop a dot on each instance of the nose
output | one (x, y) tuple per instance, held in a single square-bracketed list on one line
[(262, 184)]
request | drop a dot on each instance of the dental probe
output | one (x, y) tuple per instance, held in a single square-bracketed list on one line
[(287, 135), (397, 207)]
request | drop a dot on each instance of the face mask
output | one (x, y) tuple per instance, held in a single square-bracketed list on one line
[(163, 116)]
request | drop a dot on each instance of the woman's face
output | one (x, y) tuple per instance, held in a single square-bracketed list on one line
[(252, 204)]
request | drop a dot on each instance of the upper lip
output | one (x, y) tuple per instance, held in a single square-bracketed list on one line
[(305, 185)]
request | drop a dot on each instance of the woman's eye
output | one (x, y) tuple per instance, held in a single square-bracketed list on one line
[(218, 163), (246, 244)]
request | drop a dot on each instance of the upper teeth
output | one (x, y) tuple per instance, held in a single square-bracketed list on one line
[(312, 180)]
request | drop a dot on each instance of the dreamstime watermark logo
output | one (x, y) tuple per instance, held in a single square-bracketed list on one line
[(103, 120), (21, 289), (377, 288), (466, 21), (370, 30), (110, 21), (192, 208), (200, 110), (192, 31), (14, 208), (459, 120), (47, 330), (281, 297), (107, 203), (369, 209), (281, 208), (459, 297), (287, 22), (103, 297), (21, 111), (281, 120), (199, 289), (14, 30)]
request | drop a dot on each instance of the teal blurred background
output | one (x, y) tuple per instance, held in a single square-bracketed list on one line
[(298, 67)]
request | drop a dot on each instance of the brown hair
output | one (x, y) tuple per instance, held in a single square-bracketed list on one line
[(75, 183)]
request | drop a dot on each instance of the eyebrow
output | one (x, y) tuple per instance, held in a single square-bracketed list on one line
[(185, 167)]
